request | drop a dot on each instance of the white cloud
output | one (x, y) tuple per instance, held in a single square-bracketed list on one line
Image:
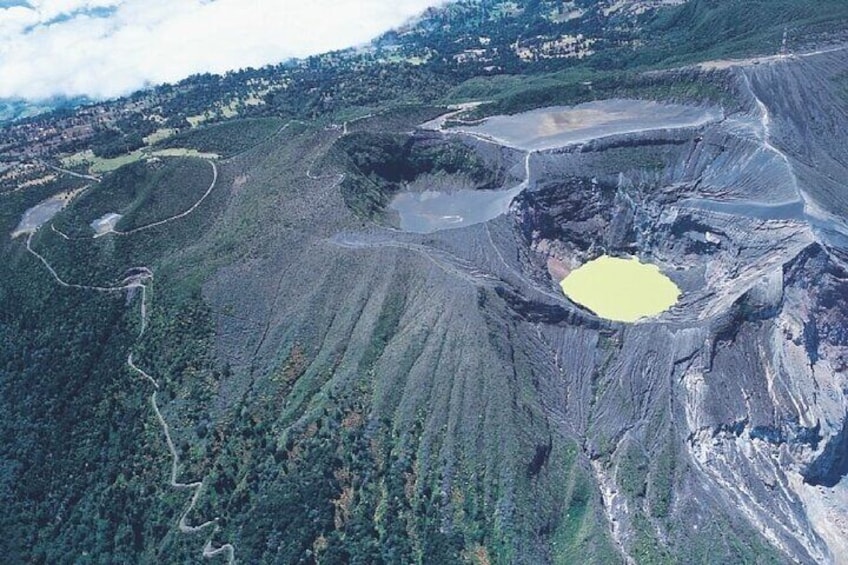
[(106, 48)]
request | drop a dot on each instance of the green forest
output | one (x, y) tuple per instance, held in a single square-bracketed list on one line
[(298, 449)]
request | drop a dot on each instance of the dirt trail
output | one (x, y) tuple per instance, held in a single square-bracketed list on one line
[(72, 173), (141, 278), (153, 224), (720, 64), (197, 486), (133, 281), (178, 216)]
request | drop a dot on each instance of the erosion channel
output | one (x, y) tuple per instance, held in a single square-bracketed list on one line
[(359, 341), (714, 391)]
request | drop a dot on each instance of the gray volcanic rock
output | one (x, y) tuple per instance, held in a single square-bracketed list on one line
[(439, 390), (724, 418), (357, 348)]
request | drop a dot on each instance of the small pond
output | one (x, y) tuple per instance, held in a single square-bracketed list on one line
[(430, 211), (623, 290)]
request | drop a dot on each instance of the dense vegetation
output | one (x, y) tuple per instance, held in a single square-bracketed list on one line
[(74, 422), (298, 470), (426, 65), (379, 164), (226, 139), (112, 143)]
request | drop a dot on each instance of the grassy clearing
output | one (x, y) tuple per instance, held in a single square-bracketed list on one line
[(195, 121), (182, 152), (210, 142), (160, 134), (97, 164), (226, 139)]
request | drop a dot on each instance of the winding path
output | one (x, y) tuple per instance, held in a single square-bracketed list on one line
[(196, 486), (140, 278), (178, 216), (158, 223), (339, 176), (816, 217), (765, 136), (135, 280), (72, 173)]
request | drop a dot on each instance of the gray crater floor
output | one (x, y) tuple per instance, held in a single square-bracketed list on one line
[(559, 126), (537, 130)]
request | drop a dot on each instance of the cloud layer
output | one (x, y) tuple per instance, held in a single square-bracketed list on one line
[(106, 48)]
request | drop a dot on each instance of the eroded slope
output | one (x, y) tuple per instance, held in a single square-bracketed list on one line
[(353, 391)]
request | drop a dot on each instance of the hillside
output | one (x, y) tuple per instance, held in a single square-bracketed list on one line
[(316, 317)]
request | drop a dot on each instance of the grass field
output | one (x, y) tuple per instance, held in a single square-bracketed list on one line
[(97, 164)]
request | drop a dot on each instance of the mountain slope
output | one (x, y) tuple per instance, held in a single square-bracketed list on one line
[(344, 389)]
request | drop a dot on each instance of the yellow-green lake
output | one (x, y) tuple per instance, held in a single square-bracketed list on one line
[(623, 290)]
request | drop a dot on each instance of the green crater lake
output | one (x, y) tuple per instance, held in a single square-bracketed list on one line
[(623, 290)]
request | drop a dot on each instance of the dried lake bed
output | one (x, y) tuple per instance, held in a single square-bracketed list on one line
[(43, 212), (559, 126), (537, 130)]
